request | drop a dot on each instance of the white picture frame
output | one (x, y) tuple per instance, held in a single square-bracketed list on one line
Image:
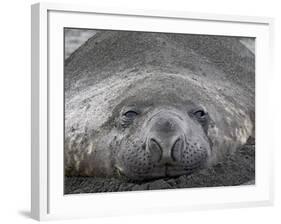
[(47, 198)]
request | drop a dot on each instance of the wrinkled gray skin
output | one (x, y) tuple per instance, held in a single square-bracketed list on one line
[(145, 105)]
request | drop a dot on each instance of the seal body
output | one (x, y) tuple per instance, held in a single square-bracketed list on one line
[(150, 105)]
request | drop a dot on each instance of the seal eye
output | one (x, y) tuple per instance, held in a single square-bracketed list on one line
[(199, 114), (130, 114), (128, 117)]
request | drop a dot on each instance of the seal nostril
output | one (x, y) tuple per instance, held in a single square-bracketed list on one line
[(176, 149), (155, 149), (154, 143)]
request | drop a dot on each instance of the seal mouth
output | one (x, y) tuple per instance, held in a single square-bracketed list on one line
[(158, 172)]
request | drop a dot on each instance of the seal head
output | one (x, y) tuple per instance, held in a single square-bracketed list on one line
[(169, 142)]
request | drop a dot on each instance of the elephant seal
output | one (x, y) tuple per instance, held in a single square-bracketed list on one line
[(151, 105)]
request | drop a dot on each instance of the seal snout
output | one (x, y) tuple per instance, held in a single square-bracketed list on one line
[(172, 143), (164, 139), (164, 150)]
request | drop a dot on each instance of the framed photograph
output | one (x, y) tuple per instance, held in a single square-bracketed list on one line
[(148, 111)]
